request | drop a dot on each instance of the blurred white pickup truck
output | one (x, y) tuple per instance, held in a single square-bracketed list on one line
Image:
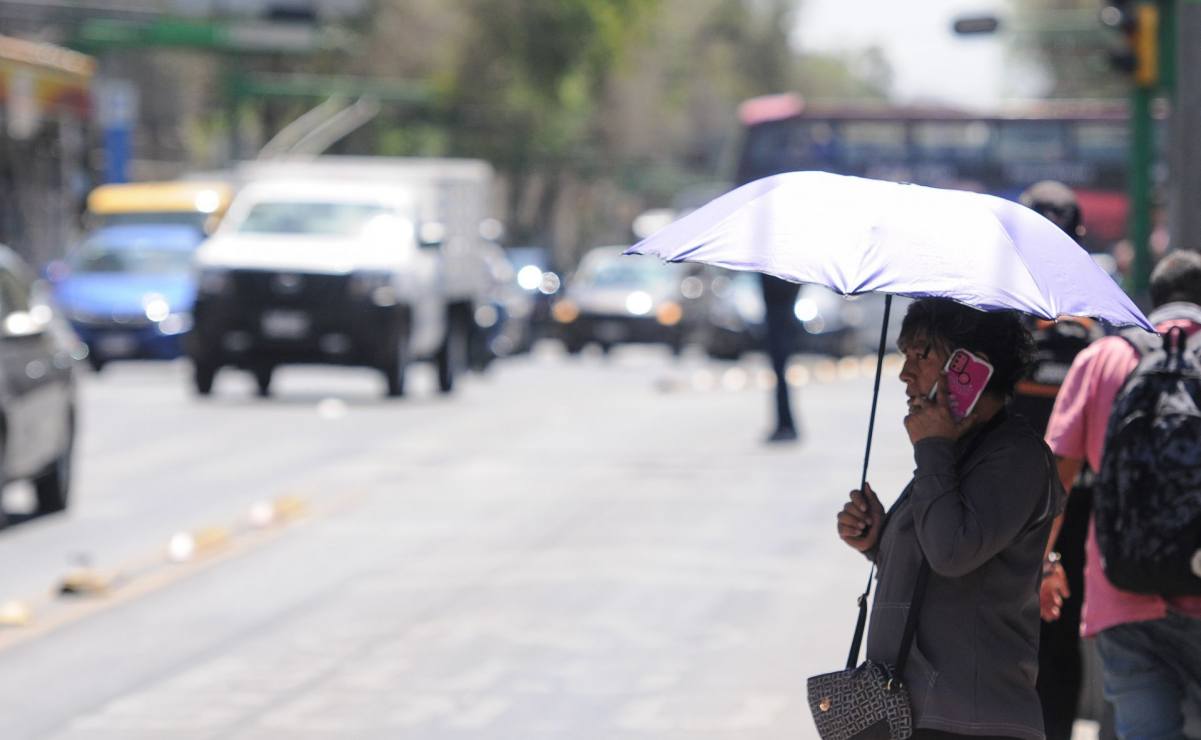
[(344, 261)]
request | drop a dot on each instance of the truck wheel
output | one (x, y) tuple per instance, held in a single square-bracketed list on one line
[(452, 356), (203, 374), (262, 380), (394, 372)]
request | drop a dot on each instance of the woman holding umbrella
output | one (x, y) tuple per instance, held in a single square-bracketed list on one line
[(975, 518), (973, 523)]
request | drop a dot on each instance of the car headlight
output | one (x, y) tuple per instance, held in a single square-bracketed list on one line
[(156, 307), (806, 310), (565, 311), (529, 277), (639, 303), (550, 284), (669, 314), (213, 281)]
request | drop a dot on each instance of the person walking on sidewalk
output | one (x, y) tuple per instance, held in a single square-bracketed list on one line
[(779, 302), (1056, 344), (978, 511), (1150, 645)]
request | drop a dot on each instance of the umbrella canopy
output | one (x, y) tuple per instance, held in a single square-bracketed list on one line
[(856, 235)]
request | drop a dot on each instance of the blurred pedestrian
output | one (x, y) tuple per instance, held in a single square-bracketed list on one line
[(974, 520), (779, 300), (1150, 645), (1056, 344)]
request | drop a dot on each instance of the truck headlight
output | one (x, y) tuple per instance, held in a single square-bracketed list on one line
[(374, 286)]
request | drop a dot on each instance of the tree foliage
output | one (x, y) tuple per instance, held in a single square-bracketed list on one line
[(594, 109), (1064, 43)]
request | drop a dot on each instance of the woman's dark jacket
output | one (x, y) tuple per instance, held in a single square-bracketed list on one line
[(982, 522)]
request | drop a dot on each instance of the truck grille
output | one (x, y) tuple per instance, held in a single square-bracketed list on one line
[(275, 288)]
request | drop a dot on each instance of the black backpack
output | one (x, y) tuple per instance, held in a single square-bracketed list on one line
[(1147, 499)]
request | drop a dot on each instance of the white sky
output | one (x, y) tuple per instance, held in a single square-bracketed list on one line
[(929, 62)]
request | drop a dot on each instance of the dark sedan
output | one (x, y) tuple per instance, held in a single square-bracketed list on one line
[(614, 300)]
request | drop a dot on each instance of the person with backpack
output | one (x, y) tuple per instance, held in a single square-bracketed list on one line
[(1129, 408), (1056, 344)]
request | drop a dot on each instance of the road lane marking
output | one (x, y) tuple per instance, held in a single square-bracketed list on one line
[(107, 589)]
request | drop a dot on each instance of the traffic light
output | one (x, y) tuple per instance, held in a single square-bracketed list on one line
[(1138, 21)]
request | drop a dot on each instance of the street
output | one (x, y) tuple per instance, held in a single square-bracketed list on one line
[(567, 547)]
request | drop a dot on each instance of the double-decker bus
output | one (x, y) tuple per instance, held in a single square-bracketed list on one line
[(1081, 143)]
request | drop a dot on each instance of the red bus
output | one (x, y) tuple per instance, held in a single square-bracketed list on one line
[(1081, 143)]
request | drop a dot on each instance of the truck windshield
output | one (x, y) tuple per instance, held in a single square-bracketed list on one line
[(313, 218)]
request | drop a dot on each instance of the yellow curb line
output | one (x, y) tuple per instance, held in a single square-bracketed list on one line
[(86, 582), (212, 545), (15, 614)]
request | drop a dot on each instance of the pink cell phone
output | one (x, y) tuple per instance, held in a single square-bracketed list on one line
[(967, 376)]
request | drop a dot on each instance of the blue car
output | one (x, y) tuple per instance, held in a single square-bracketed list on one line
[(128, 291)]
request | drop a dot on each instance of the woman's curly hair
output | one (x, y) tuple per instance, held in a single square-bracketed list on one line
[(999, 336)]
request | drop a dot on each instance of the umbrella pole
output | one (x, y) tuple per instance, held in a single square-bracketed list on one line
[(861, 623), (871, 424)]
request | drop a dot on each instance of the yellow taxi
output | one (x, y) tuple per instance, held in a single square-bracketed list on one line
[(195, 203)]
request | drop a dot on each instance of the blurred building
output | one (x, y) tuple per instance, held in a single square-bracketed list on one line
[(45, 109)]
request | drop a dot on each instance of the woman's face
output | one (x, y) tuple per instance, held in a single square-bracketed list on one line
[(924, 361)]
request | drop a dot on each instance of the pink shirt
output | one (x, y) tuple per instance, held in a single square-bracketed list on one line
[(1077, 430)]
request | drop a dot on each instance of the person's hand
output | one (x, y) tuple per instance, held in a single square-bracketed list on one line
[(928, 418), (1052, 591), (860, 520)]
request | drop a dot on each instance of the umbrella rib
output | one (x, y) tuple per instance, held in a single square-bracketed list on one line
[(1022, 258), (706, 236)]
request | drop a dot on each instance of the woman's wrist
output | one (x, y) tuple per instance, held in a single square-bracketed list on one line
[(1050, 562)]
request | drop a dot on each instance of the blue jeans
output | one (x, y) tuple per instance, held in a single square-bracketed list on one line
[(1152, 675)]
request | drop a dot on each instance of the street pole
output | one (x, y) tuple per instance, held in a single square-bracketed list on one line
[(1185, 159), (1141, 158), (1146, 43)]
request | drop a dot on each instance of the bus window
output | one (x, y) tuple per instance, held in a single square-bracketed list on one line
[(1101, 142), (1030, 141), (868, 141), (782, 146), (960, 141)]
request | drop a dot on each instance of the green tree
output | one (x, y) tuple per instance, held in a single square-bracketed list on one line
[(1075, 64), (525, 91)]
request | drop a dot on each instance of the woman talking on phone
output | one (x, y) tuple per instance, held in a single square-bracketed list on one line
[(975, 518)]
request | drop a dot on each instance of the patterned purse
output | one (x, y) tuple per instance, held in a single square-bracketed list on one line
[(868, 702)]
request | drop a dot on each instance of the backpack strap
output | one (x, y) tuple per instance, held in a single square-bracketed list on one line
[(1143, 342)]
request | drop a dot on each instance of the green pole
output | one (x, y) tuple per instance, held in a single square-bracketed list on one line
[(1141, 148), (1167, 47)]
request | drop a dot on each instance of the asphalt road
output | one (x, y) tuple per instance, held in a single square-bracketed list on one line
[(566, 548)]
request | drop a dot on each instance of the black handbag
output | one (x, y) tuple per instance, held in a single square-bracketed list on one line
[(870, 701)]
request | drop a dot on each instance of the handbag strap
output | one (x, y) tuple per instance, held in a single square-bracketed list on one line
[(915, 608), (923, 575)]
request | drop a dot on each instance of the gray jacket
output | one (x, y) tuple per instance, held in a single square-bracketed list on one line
[(983, 525)]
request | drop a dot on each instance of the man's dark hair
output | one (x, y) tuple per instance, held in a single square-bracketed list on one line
[(1000, 336), (1177, 277)]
